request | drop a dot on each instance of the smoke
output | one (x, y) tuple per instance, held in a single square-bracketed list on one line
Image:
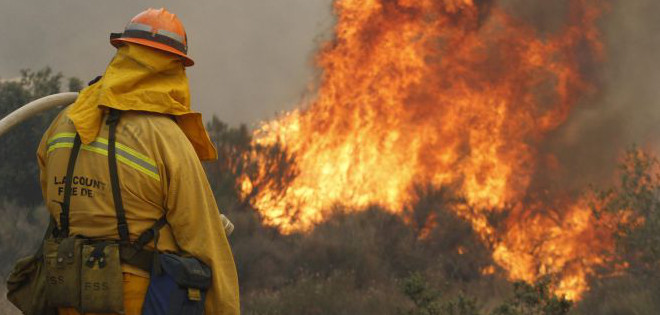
[(623, 109), (253, 57), (627, 109)]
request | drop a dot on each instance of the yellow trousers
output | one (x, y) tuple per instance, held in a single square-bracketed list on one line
[(135, 289)]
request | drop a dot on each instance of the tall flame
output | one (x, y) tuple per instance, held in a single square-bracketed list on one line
[(445, 92)]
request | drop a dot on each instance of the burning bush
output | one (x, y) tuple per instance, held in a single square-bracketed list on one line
[(430, 258), (455, 94)]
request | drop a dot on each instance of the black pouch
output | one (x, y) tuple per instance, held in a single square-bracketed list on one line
[(177, 286)]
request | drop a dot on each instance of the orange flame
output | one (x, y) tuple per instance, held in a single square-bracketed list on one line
[(444, 93)]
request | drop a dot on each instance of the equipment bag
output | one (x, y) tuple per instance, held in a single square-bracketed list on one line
[(101, 279), (179, 287), (26, 285), (62, 258)]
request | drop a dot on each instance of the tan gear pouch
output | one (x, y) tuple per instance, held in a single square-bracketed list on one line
[(62, 260), (102, 286), (26, 285)]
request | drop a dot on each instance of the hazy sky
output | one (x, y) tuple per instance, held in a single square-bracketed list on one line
[(253, 57)]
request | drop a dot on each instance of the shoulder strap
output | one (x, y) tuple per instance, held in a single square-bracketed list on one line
[(150, 234), (130, 253), (68, 182), (122, 225), (50, 231), (135, 254)]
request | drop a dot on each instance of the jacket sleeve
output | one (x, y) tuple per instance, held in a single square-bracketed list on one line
[(196, 224), (41, 160)]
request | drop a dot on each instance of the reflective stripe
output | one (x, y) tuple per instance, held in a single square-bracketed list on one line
[(121, 147), (62, 135), (59, 146), (148, 28), (139, 27), (159, 38), (125, 154), (173, 36)]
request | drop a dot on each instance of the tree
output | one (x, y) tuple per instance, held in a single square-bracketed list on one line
[(534, 299), (75, 84), (427, 300), (637, 199), (19, 170), (631, 285), (242, 161)]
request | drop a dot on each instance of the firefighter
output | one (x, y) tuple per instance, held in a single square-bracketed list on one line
[(120, 168)]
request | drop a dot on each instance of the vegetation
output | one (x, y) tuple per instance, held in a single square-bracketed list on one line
[(23, 220), (19, 171), (374, 263), (635, 288), (371, 262)]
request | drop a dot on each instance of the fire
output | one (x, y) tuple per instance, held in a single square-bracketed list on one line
[(453, 92)]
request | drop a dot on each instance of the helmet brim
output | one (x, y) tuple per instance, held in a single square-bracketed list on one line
[(187, 62)]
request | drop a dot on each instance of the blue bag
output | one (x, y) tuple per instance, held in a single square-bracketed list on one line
[(177, 286)]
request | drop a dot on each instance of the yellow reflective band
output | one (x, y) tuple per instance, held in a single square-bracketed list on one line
[(124, 154), (138, 167), (62, 135), (129, 150), (95, 150), (123, 160), (60, 145)]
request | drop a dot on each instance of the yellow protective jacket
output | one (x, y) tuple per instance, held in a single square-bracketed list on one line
[(160, 173), (160, 143)]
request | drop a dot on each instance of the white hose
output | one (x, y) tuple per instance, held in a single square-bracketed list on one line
[(35, 107)]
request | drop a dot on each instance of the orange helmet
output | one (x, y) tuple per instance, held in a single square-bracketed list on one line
[(158, 29)]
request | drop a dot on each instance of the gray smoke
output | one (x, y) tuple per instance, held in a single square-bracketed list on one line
[(625, 108), (254, 57)]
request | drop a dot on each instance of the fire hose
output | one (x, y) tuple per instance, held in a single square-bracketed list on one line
[(35, 107), (43, 104)]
